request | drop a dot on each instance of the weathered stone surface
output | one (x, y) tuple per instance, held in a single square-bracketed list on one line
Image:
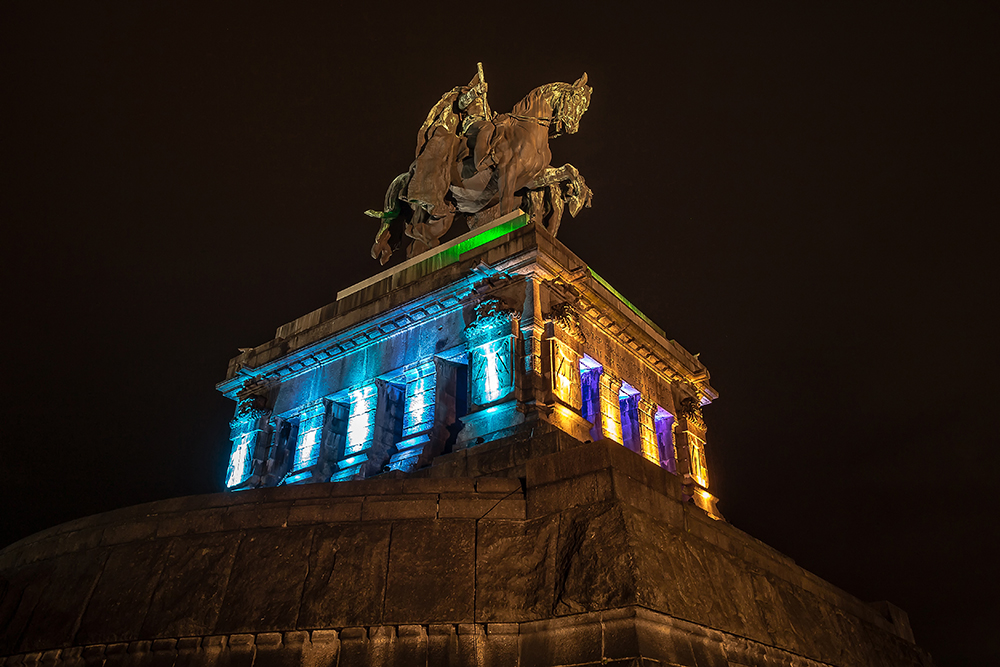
[(265, 585), (603, 549), (43, 603), (347, 574), (190, 591), (594, 566), (121, 598), (516, 567), (431, 572)]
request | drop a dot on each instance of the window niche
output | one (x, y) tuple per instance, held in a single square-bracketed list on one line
[(284, 435), (628, 401), (590, 388), (664, 425), (371, 419)]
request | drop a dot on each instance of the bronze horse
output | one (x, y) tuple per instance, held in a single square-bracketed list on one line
[(478, 166)]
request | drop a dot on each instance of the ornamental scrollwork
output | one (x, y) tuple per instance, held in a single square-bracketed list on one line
[(690, 409), (492, 319), (249, 407), (564, 316)]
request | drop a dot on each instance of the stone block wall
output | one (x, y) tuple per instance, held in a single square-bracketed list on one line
[(532, 551)]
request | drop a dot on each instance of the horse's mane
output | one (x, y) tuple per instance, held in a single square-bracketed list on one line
[(549, 94)]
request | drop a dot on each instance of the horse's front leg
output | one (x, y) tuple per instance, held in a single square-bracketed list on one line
[(578, 192)]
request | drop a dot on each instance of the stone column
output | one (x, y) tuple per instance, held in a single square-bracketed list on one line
[(248, 433), (611, 415), (306, 455), (419, 399), (649, 447), (689, 446), (532, 331)]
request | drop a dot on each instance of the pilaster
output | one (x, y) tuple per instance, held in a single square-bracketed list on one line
[(610, 407), (690, 448), (248, 433), (647, 431), (491, 347)]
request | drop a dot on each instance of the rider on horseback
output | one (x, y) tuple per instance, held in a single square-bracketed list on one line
[(475, 164)]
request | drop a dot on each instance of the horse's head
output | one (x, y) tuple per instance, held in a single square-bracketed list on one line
[(569, 104)]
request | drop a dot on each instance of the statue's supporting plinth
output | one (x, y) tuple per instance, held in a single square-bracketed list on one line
[(496, 331)]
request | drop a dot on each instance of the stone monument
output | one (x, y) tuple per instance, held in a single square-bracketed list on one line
[(484, 455)]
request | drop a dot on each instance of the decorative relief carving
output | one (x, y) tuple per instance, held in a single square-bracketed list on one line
[(690, 409), (249, 407), (564, 316), (492, 370), (492, 320), (565, 374)]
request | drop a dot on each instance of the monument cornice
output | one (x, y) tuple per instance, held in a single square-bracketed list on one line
[(352, 339)]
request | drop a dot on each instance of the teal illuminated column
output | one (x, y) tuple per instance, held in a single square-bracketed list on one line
[(373, 426), (248, 435), (420, 384), (306, 459)]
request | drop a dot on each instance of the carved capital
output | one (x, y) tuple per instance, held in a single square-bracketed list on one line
[(492, 320), (249, 407), (690, 409), (564, 316)]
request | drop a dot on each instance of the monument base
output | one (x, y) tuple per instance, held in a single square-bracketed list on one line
[(534, 549)]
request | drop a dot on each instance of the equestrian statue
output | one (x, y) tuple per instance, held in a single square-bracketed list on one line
[(476, 165)]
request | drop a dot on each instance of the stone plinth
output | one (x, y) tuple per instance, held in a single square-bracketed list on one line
[(533, 550)]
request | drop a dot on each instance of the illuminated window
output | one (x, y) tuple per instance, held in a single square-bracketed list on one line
[(590, 385), (664, 423), (628, 402)]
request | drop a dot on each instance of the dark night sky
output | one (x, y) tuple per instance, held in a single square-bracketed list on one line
[(800, 193)]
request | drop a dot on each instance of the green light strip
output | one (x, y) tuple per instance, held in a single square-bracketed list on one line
[(627, 302), (443, 255), (455, 252), (491, 234)]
